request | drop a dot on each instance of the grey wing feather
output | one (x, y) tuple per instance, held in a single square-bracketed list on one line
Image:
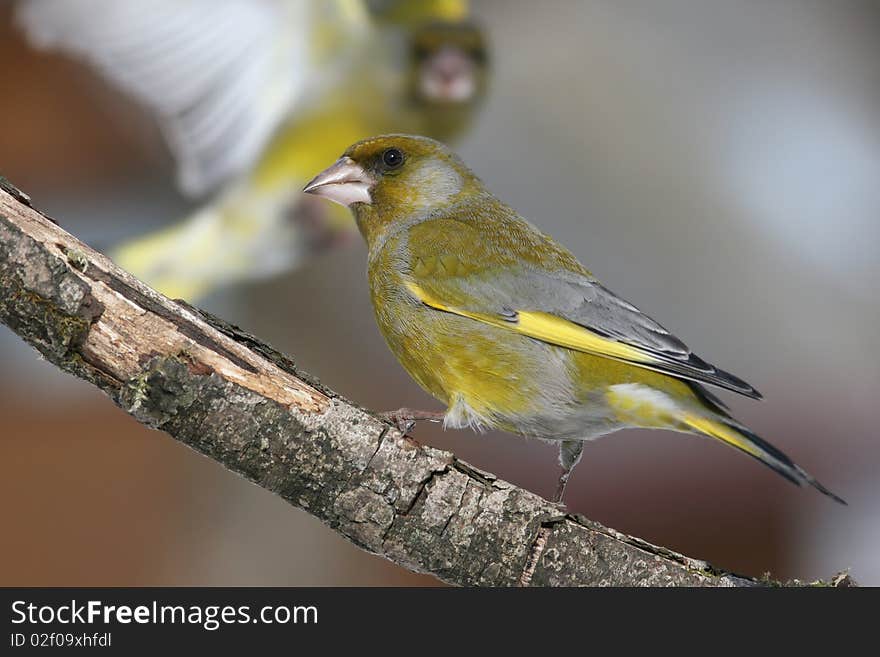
[(586, 302)]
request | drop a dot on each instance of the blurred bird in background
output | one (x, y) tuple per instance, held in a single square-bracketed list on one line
[(253, 96)]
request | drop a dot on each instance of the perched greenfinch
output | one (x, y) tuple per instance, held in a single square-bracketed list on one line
[(253, 96), (505, 326)]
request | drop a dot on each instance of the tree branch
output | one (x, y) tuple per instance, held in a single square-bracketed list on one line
[(238, 401)]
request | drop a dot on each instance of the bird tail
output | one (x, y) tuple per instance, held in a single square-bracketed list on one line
[(220, 244), (731, 433), (167, 259)]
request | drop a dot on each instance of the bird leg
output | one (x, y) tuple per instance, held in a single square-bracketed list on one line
[(405, 418), (569, 454)]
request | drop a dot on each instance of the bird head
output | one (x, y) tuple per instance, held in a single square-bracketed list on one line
[(392, 178), (449, 64)]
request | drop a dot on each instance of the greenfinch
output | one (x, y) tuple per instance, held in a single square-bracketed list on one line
[(505, 326), (253, 96)]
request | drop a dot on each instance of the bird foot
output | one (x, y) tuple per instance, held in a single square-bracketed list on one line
[(405, 418), (560, 490), (561, 506)]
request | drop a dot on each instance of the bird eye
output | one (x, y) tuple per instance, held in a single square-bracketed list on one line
[(392, 158)]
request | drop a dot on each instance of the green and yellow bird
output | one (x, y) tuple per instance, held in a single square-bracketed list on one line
[(505, 326)]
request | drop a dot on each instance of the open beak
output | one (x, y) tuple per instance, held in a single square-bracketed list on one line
[(345, 183)]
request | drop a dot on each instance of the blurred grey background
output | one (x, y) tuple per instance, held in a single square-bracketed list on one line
[(717, 163)]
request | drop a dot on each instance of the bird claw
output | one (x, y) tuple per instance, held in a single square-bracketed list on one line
[(403, 424), (405, 419), (559, 506)]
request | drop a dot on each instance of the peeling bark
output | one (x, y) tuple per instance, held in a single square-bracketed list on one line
[(236, 400)]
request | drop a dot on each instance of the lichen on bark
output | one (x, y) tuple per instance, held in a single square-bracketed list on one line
[(41, 300)]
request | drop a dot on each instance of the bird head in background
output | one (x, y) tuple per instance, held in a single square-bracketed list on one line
[(449, 64), (446, 58)]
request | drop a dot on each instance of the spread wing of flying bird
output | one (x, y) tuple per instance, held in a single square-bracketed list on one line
[(219, 76)]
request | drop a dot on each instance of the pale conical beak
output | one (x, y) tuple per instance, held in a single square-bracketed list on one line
[(345, 183)]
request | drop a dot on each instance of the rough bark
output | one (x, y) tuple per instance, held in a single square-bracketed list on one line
[(238, 401)]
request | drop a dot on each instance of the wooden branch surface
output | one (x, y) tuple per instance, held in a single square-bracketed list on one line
[(238, 401)]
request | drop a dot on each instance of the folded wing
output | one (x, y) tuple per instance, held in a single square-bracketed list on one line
[(555, 305)]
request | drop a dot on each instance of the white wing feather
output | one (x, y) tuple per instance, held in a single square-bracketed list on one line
[(220, 76)]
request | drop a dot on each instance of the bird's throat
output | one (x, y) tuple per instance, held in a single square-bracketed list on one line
[(369, 222)]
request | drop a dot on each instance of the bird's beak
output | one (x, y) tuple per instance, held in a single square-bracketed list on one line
[(345, 183)]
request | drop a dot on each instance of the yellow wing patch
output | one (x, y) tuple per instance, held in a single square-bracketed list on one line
[(553, 329), (547, 328)]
